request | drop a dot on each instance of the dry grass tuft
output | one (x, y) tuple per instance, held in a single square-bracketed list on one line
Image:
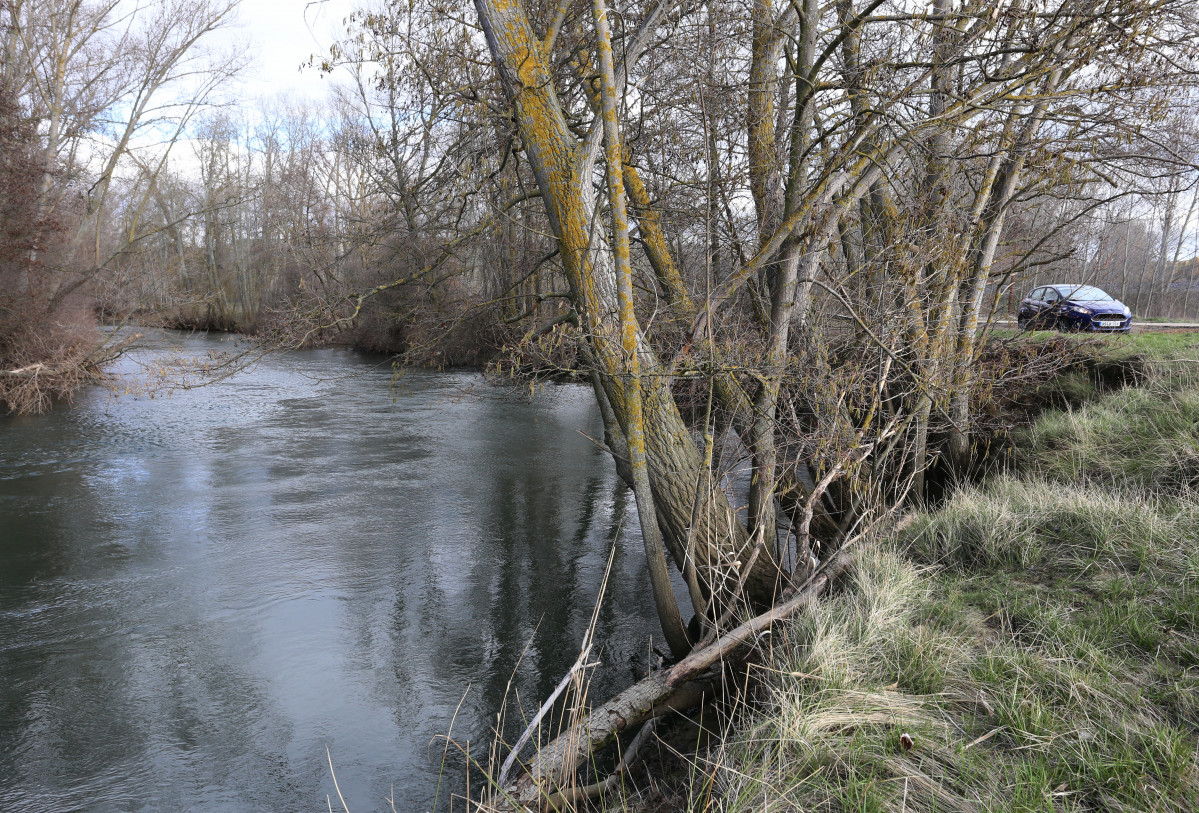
[(1037, 638)]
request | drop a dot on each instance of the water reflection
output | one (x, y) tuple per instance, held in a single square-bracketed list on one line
[(198, 594)]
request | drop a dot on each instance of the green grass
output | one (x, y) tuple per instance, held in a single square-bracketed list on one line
[(1037, 636), (1166, 319), (1151, 345), (1146, 437), (1114, 346)]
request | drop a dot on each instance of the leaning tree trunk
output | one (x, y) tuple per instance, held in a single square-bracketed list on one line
[(562, 165), (664, 601)]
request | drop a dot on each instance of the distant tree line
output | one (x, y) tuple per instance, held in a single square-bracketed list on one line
[(1141, 249)]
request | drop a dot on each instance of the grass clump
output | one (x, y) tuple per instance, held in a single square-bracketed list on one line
[(848, 681), (1069, 685), (1037, 638), (1145, 437)]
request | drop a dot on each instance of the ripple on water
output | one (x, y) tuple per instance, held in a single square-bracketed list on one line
[(202, 592)]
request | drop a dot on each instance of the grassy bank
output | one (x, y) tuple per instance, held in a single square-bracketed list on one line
[(1031, 644), (1035, 637)]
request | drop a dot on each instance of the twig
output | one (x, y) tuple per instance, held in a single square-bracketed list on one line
[(984, 737), (336, 786), (579, 664)]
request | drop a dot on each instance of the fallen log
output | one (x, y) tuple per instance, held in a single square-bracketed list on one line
[(28, 371), (74, 363), (552, 769)]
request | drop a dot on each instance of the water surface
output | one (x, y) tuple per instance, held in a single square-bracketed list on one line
[(201, 592)]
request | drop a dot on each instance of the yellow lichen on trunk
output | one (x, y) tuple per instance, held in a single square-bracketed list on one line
[(563, 171), (655, 554)]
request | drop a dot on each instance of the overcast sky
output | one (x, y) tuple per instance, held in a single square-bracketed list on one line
[(282, 34)]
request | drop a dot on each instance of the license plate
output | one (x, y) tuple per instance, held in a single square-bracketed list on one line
[(1111, 324)]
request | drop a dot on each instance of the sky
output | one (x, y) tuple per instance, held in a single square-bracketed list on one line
[(279, 36), (282, 34)]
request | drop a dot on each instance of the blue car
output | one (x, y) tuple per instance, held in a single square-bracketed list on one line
[(1073, 307)]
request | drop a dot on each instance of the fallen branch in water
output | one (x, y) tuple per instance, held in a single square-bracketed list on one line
[(74, 364), (30, 388), (550, 772), (28, 371)]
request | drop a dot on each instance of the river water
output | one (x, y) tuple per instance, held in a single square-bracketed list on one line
[(201, 592)]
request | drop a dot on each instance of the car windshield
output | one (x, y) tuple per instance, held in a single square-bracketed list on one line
[(1085, 293)]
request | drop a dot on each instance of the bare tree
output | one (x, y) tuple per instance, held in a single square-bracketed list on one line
[(107, 89)]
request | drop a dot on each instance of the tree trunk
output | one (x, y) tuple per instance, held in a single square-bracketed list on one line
[(562, 165), (651, 536)]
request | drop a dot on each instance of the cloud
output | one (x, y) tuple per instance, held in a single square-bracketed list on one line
[(281, 35)]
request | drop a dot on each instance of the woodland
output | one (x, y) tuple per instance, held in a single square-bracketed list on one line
[(777, 229)]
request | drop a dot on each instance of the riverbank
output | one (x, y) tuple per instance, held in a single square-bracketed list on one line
[(424, 334), (1030, 645), (1035, 637)]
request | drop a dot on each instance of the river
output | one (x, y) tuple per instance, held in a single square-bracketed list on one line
[(202, 591)]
